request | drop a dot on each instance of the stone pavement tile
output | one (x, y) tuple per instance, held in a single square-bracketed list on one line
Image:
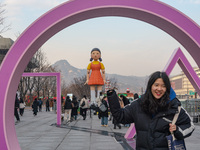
[(38, 133), (67, 145), (106, 146)]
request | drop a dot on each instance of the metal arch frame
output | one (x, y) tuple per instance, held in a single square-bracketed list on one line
[(159, 14), (176, 57), (58, 90), (179, 57)]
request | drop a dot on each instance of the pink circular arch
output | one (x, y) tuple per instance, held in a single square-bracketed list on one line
[(153, 12)]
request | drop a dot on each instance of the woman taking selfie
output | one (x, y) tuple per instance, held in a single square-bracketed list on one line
[(153, 114)]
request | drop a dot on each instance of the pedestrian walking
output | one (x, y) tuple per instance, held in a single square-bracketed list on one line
[(136, 96), (47, 105), (124, 99), (153, 114), (22, 105), (16, 109), (51, 105), (84, 104), (40, 104), (35, 107), (104, 113), (68, 109), (75, 108), (125, 102)]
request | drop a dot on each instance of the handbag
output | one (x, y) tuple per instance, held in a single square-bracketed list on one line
[(173, 143), (102, 107), (83, 104)]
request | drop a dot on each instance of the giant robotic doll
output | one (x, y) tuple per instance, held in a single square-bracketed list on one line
[(95, 74)]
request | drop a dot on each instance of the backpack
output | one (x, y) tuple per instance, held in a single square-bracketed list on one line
[(83, 104), (102, 107)]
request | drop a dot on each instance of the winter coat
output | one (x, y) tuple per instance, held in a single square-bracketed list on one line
[(16, 103), (104, 114), (151, 130), (51, 103), (98, 100), (86, 103), (68, 104), (47, 103), (75, 108), (35, 106)]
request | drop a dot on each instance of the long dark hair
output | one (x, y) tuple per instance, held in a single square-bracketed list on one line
[(150, 104), (96, 49)]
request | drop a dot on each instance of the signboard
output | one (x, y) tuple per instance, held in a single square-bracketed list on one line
[(191, 93)]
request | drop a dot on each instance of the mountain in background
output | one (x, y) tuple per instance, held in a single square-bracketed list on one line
[(68, 73)]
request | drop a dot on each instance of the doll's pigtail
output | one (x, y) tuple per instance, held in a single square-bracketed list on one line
[(100, 59), (91, 59)]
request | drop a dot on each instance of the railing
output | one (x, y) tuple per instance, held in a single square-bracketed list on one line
[(192, 106)]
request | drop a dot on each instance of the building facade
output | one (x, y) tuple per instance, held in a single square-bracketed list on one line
[(183, 87), (5, 44)]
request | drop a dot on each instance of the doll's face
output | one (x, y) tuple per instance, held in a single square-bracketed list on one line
[(95, 55)]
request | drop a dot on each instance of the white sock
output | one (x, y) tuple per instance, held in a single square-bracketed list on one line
[(93, 98), (98, 93)]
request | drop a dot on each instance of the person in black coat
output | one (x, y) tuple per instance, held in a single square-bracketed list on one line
[(35, 107), (136, 96), (153, 114), (68, 109), (75, 108), (16, 109), (47, 105), (104, 114), (21, 107), (125, 100)]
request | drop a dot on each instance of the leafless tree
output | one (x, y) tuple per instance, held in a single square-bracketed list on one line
[(79, 88), (3, 26), (113, 83), (63, 89), (41, 86)]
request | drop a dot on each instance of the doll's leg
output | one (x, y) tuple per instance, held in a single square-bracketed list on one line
[(92, 94), (99, 89)]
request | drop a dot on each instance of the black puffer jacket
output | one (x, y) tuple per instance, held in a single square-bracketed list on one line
[(151, 131)]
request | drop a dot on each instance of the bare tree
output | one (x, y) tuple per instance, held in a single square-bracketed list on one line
[(79, 88), (42, 86), (114, 83), (3, 26), (43, 66), (63, 89)]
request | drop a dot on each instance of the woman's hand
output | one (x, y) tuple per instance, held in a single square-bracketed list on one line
[(172, 127)]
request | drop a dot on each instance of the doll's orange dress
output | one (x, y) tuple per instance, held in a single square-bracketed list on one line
[(95, 77)]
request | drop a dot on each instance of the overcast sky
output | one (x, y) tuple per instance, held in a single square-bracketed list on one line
[(128, 46)]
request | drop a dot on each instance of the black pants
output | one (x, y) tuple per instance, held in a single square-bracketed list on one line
[(116, 124), (40, 107), (21, 111), (47, 109), (84, 111), (17, 115)]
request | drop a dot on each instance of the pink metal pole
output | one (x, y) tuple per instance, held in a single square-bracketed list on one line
[(58, 92), (58, 100)]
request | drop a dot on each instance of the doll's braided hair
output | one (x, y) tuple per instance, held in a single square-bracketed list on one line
[(96, 49)]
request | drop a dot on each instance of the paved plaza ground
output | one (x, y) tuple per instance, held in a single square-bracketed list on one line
[(41, 133)]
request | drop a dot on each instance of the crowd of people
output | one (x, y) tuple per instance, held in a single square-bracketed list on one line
[(36, 106), (152, 113), (72, 108)]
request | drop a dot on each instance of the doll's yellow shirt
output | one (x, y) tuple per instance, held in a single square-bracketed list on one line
[(96, 62)]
